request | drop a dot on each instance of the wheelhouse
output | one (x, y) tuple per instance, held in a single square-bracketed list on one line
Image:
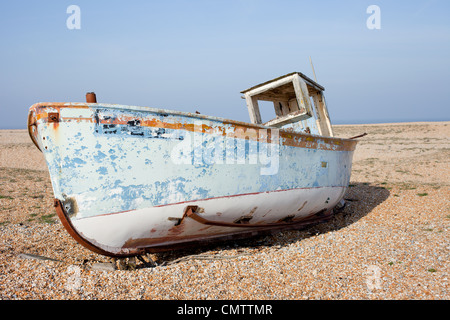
[(298, 101)]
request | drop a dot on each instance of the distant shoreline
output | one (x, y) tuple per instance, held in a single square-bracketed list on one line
[(393, 123)]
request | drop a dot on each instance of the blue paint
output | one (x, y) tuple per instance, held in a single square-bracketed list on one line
[(73, 162), (100, 156), (116, 168), (102, 170), (133, 127)]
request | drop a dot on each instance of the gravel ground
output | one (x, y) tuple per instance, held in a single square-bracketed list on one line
[(390, 242)]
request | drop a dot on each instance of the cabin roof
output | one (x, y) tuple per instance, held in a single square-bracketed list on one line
[(308, 81)]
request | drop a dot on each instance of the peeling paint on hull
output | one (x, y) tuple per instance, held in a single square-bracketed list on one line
[(123, 176)]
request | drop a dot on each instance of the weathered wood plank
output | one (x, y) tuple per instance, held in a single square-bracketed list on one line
[(253, 109)]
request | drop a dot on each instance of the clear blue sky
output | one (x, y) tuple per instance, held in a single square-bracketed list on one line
[(198, 55)]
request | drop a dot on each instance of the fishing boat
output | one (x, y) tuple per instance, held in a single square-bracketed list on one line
[(130, 180)]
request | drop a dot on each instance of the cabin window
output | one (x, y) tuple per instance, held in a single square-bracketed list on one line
[(287, 100), (266, 110)]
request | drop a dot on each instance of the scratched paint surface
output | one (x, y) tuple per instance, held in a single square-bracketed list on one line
[(108, 158)]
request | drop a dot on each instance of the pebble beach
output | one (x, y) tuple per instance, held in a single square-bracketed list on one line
[(390, 242)]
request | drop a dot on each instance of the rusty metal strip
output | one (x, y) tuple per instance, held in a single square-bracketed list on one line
[(292, 139), (32, 123), (142, 246), (81, 240), (151, 245), (190, 212), (245, 131), (360, 136)]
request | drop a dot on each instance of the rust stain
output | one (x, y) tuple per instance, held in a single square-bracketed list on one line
[(252, 211), (134, 247), (91, 97), (303, 205), (237, 130), (65, 220), (167, 243), (53, 117), (32, 128)]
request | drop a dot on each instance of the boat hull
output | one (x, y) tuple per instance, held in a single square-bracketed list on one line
[(129, 180)]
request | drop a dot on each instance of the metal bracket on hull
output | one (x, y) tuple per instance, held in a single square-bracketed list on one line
[(53, 117), (190, 212)]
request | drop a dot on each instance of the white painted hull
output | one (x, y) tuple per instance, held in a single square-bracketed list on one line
[(151, 227)]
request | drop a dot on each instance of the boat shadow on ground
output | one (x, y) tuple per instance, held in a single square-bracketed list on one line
[(360, 200)]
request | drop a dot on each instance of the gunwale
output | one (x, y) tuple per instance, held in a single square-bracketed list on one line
[(289, 138)]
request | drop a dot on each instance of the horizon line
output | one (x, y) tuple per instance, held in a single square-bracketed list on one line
[(338, 123)]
